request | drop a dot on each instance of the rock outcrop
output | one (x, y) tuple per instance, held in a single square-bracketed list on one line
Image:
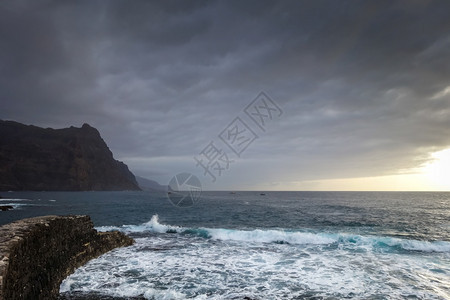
[(36, 254), (69, 159)]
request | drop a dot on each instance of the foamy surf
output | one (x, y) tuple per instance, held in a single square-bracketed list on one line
[(13, 199), (151, 226), (206, 263), (281, 236), (17, 205)]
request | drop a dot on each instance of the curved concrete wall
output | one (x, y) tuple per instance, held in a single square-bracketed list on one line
[(36, 254)]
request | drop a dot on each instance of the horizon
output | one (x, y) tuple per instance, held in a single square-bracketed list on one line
[(256, 96)]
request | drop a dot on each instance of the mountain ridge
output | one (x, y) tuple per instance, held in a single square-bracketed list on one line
[(150, 185), (68, 159)]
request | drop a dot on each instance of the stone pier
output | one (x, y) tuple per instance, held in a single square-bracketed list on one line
[(36, 254)]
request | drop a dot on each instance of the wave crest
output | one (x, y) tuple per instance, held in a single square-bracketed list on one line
[(287, 237)]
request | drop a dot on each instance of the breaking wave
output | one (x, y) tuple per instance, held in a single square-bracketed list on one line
[(281, 236)]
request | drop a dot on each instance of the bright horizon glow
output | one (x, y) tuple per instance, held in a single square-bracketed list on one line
[(438, 171), (432, 176)]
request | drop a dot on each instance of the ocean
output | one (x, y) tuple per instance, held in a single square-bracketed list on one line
[(280, 245)]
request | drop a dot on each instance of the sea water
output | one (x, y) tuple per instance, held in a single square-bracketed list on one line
[(281, 245)]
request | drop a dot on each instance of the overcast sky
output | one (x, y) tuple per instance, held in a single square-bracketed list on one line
[(363, 86)]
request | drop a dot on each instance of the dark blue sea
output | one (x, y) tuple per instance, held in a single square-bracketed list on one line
[(281, 245)]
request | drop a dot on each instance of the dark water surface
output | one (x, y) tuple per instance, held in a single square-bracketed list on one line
[(283, 245)]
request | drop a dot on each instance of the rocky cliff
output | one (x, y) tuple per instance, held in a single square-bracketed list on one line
[(36, 254), (69, 159)]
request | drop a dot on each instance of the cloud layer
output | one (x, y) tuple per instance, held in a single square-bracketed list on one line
[(364, 85)]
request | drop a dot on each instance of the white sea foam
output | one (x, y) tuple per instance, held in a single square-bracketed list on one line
[(270, 236), (154, 226), (437, 246), (15, 200), (17, 205), (288, 237), (151, 226), (169, 266)]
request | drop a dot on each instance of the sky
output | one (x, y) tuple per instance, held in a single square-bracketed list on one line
[(356, 94)]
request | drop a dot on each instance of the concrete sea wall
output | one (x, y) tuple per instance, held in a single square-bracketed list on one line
[(36, 254)]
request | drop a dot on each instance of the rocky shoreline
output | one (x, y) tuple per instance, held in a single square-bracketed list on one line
[(36, 254)]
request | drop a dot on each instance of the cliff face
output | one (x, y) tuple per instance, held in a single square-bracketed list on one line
[(36, 254), (69, 159)]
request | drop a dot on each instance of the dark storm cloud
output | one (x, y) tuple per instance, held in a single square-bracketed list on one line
[(362, 83)]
